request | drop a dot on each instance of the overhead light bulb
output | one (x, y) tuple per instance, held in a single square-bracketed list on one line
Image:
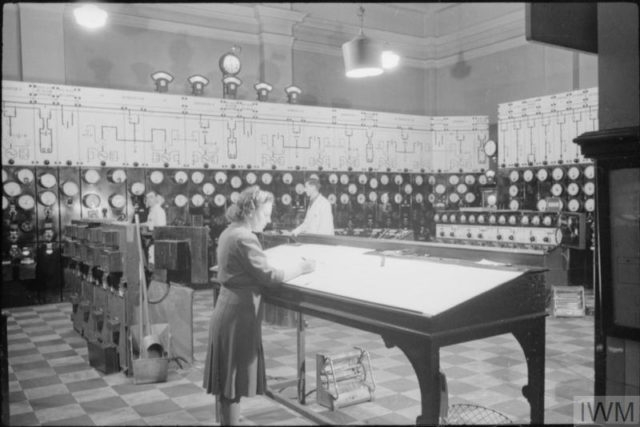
[(362, 57), (390, 59), (90, 16)]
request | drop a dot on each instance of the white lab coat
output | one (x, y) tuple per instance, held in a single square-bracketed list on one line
[(156, 218), (319, 218)]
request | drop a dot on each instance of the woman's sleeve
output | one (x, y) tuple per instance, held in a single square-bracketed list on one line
[(255, 261)]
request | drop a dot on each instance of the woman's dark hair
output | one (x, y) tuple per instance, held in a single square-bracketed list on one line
[(248, 202)]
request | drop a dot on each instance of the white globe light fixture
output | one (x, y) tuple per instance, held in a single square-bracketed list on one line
[(390, 59), (90, 16), (362, 56)]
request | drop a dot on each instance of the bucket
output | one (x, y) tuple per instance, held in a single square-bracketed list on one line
[(148, 371)]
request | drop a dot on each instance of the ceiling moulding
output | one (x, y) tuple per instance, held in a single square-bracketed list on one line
[(218, 11), (425, 8), (495, 25), (483, 51), (277, 39)]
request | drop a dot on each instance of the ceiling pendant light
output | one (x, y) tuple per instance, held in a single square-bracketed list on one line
[(90, 16), (362, 56)]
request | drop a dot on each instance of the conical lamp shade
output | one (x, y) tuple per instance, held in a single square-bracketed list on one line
[(362, 57)]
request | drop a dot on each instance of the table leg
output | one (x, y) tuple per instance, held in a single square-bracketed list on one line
[(532, 340), (302, 370)]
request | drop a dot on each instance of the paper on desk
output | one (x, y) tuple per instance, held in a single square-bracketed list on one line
[(488, 262)]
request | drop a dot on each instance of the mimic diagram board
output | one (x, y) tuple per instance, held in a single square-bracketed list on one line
[(56, 124)]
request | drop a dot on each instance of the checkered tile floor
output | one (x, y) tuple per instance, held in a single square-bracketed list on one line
[(51, 382)]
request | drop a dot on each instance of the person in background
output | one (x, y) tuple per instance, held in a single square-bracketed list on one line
[(319, 218), (156, 218), (234, 365)]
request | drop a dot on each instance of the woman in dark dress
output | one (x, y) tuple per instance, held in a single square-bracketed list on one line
[(235, 361)]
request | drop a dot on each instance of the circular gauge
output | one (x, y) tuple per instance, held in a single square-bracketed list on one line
[(573, 173), (444, 218), (472, 219), (463, 219), (454, 179), (344, 199), (287, 178), (514, 176), (482, 180), (352, 189), (419, 198), (373, 196), (513, 190), (589, 188), (452, 218), (513, 220), (384, 179), (436, 218), (397, 179), (229, 63), (502, 220), (180, 200), (524, 220), (490, 174), (299, 189), (361, 198), (197, 177), (5, 175), (219, 200), (546, 221), (492, 199), (333, 179), (197, 200), (25, 176), (384, 199), (47, 198), (557, 173), (408, 189), (180, 177), (286, 199), (373, 183), (490, 147), (469, 179), (514, 205), (418, 180), (91, 200), (91, 176), (156, 177), (332, 199), (481, 219), (220, 178), (137, 188), (556, 189), (47, 180), (26, 202), (12, 188), (492, 219), (541, 205), (208, 189), (431, 198), (362, 179), (440, 189), (251, 178), (5, 203), (528, 175), (234, 196), (431, 180), (344, 179), (542, 174), (397, 198), (573, 189), (117, 201), (469, 197), (266, 178), (535, 220), (574, 205), (559, 235), (590, 172), (454, 198), (590, 205), (236, 182), (461, 188), (118, 176)]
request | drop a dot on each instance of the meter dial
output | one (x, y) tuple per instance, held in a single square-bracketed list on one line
[(266, 178), (431, 198), (431, 180), (436, 218), (513, 190), (490, 148), (180, 200), (454, 179), (197, 177), (47, 180), (469, 179), (557, 174), (408, 189), (344, 179), (461, 188), (490, 174), (469, 198), (344, 199), (236, 182), (492, 219), (137, 188), (286, 199), (384, 179), (26, 202), (397, 179), (514, 176), (573, 189), (47, 198), (208, 188), (528, 175), (91, 200), (287, 178), (362, 179), (397, 198), (590, 205), (91, 176), (156, 177), (573, 173), (117, 201), (384, 199), (234, 196), (251, 178), (5, 203), (333, 179), (5, 175), (118, 176), (463, 219), (419, 198), (502, 219), (524, 220), (373, 183), (332, 199), (472, 219), (546, 221), (514, 205), (513, 220), (589, 188), (542, 175), (299, 189), (418, 180), (535, 220), (541, 205), (559, 235), (440, 189), (25, 176), (481, 219), (590, 172), (452, 218), (12, 188), (180, 177), (454, 197), (373, 196), (219, 200), (492, 199), (197, 200), (574, 205), (444, 218), (482, 180), (361, 199), (352, 189), (220, 178)]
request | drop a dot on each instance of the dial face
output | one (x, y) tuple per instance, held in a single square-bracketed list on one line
[(397, 198), (546, 221), (590, 172), (47, 198), (542, 175), (230, 63), (461, 188), (5, 203), (180, 200), (91, 200), (235, 182), (219, 200), (197, 200), (266, 178), (463, 218), (573, 189), (384, 179), (397, 179), (558, 236), (91, 176), (481, 219), (469, 197), (541, 205), (314, 176), (156, 177), (117, 201), (482, 180), (333, 179), (454, 198), (557, 174), (251, 178), (419, 198), (137, 188), (26, 202), (524, 220), (492, 199), (469, 179), (574, 205), (502, 219), (490, 174), (527, 175), (573, 173), (208, 188), (444, 218), (220, 178), (332, 199), (440, 189), (287, 178), (535, 220), (344, 199), (197, 177), (431, 198), (452, 218), (5, 175), (361, 199), (589, 188), (373, 183), (344, 179), (408, 189), (454, 180), (299, 189), (436, 218), (181, 177), (384, 199), (514, 205), (431, 180), (235, 195), (362, 179), (492, 219), (419, 180), (490, 148), (119, 176), (25, 176), (12, 188), (47, 180), (286, 199), (373, 196), (513, 190), (590, 205), (514, 176), (472, 219), (353, 189)]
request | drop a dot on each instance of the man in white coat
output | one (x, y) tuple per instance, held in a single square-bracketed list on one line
[(319, 218), (156, 218)]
